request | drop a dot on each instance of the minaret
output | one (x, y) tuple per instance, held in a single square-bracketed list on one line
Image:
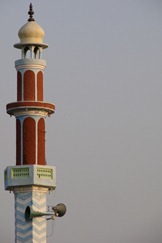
[(31, 179)]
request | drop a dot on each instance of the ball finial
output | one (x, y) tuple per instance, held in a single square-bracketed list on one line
[(31, 12)]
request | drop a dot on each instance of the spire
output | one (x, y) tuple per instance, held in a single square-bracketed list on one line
[(31, 12)]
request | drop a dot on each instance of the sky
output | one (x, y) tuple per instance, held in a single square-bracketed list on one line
[(104, 75)]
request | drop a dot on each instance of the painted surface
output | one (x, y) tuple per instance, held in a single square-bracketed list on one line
[(18, 142), (41, 142), (29, 85), (40, 86), (29, 141), (29, 104), (26, 175), (33, 231)]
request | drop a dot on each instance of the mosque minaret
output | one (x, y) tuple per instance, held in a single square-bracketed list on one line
[(31, 178)]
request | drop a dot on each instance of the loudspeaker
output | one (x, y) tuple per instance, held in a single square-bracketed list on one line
[(58, 211)]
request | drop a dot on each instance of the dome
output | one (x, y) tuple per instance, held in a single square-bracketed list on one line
[(30, 33)]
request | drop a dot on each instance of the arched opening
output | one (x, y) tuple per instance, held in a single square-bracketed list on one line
[(36, 52), (26, 52)]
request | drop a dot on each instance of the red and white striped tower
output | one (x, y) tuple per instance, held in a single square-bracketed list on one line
[(31, 178)]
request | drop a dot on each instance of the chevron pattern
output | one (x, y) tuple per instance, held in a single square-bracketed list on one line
[(33, 231)]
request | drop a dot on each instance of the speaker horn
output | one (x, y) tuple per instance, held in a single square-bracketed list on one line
[(30, 213), (58, 211)]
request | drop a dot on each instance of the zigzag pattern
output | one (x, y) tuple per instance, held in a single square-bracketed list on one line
[(33, 231)]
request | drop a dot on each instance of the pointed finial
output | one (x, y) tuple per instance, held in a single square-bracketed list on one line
[(31, 12)]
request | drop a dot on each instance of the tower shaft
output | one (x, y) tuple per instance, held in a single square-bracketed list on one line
[(34, 230), (30, 111)]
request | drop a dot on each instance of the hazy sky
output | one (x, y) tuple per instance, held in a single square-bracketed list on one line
[(104, 73)]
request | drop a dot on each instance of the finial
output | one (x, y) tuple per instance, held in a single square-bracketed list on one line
[(31, 12)]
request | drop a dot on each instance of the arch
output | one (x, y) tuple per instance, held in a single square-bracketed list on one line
[(40, 86), (29, 85), (36, 52), (26, 52), (41, 142), (29, 141)]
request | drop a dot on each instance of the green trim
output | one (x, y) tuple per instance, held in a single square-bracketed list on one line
[(20, 173), (45, 173)]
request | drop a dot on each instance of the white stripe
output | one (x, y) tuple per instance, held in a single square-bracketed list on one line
[(22, 88), (21, 151), (36, 141), (36, 95)]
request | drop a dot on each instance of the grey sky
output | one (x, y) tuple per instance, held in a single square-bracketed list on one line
[(104, 75)]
